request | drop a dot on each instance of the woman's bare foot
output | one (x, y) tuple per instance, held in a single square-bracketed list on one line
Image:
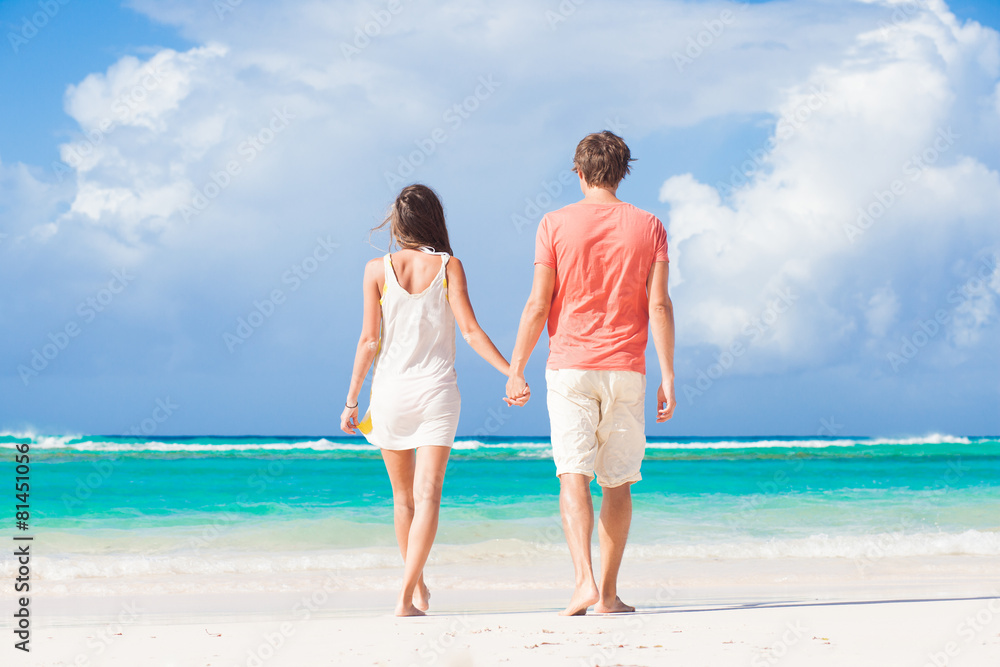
[(404, 609), (422, 597), (582, 598), (616, 607)]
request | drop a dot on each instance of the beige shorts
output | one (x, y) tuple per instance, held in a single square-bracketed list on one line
[(597, 423)]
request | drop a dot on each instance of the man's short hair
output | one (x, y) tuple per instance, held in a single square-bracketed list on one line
[(603, 159)]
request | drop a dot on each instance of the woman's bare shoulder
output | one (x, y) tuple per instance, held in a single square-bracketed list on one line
[(375, 268)]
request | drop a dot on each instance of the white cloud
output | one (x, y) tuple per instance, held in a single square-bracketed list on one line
[(883, 307), (154, 133), (853, 105), (862, 204)]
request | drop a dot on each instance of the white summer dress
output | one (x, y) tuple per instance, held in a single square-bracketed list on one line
[(415, 400)]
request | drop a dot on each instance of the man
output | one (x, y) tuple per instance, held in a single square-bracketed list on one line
[(601, 284)]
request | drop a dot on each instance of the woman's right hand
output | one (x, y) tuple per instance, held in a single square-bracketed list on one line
[(349, 420), (518, 391)]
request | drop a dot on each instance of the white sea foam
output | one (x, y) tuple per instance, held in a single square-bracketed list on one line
[(64, 443), (536, 448), (502, 444), (37, 440), (864, 549), (932, 439)]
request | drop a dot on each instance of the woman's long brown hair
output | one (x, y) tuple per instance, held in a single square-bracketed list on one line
[(417, 219)]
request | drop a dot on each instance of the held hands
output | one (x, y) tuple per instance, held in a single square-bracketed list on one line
[(665, 402), (518, 391), (349, 420)]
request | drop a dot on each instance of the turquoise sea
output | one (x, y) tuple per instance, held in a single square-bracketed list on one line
[(112, 506)]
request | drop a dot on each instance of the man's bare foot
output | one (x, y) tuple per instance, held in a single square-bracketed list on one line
[(582, 598), (422, 597), (408, 610), (616, 607)]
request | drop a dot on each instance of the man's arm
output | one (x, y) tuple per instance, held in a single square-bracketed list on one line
[(536, 313), (661, 323)]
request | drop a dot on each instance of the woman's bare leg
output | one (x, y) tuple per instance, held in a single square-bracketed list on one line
[(401, 465), (428, 478)]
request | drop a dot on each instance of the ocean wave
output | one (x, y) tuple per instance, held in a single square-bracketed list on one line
[(48, 568), (89, 445), (796, 443), (864, 550), (521, 447), (471, 444)]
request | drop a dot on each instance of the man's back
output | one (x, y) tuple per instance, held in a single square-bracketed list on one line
[(594, 261), (601, 254)]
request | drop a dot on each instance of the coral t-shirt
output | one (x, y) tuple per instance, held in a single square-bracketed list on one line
[(602, 255)]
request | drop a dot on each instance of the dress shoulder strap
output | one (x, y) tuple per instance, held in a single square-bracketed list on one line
[(444, 269), (390, 275)]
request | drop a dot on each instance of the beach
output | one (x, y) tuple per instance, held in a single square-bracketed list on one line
[(280, 551), (885, 620)]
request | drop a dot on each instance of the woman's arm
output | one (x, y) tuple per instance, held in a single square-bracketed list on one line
[(458, 297), (367, 344)]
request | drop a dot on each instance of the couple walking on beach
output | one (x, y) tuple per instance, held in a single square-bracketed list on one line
[(600, 283)]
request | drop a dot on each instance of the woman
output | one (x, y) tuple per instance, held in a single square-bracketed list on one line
[(412, 300)]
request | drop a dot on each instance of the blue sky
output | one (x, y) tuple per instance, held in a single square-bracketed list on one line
[(827, 172)]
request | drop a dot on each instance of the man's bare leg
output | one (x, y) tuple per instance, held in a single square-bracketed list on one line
[(577, 509), (616, 517), (400, 466)]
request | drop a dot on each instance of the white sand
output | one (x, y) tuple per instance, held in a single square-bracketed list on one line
[(814, 612)]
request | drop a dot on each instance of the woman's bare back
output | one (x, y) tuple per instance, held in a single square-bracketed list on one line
[(415, 270)]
